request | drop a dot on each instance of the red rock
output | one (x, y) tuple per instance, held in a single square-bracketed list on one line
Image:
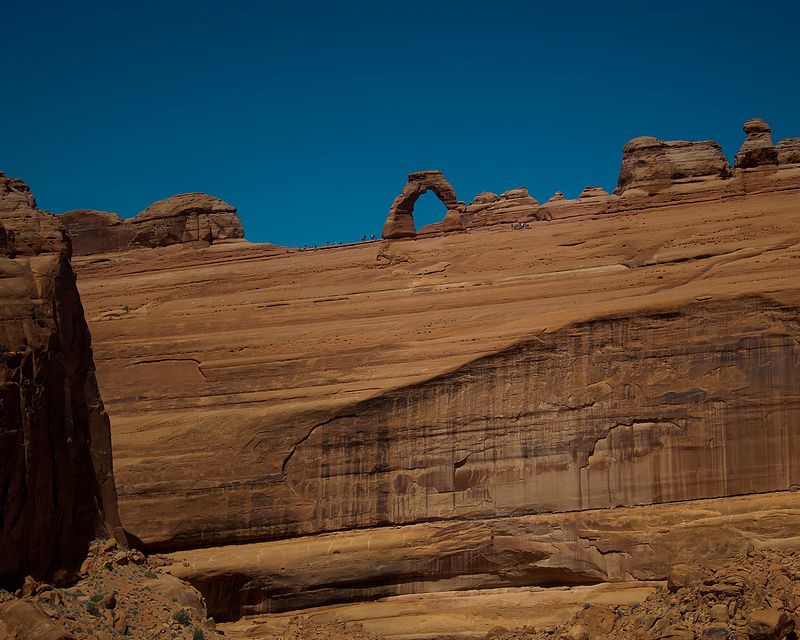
[(188, 217), (651, 164), (27, 621), (400, 222), (769, 624), (789, 151), (514, 205), (55, 460), (757, 149)]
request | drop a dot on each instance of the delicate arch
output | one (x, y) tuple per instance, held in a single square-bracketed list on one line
[(400, 222)]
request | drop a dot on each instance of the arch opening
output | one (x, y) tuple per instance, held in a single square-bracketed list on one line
[(400, 222)]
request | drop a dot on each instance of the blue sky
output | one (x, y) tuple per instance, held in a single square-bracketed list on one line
[(307, 116)]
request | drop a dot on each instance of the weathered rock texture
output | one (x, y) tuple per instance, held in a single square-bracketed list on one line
[(514, 205), (188, 217), (651, 164), (637, 349), (56, 478), (587, 547), (757, 149), (400, 222), (789, 151)]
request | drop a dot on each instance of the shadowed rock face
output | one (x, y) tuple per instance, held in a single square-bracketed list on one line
[(188, 217), (56, 477), (400, 222), (651, 164), (619, 411), (757, 149)]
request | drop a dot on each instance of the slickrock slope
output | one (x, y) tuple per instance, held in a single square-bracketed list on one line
[(56, 478), (639, 348), (188, 217)]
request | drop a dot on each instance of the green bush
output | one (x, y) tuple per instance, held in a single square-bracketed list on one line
[(91, 607), (181, 617), (97, 597), (198, 634)]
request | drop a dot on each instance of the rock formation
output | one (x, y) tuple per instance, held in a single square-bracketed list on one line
[(514, 205), (757, 149), (789, 151), (400, 222), (478, 392), (56, 473), (584, 405), (188, 217), (650, 164)]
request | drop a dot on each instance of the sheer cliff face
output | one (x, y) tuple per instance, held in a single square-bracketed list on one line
[(592, 361), (56, 478), (621, 411)]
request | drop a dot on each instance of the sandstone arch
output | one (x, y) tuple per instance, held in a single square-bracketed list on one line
[(400, 222)]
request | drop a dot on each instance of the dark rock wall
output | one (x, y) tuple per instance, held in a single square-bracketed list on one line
[(56, 476)]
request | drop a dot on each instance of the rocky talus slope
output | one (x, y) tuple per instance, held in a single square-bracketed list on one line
[(119, 594), (483, 421)]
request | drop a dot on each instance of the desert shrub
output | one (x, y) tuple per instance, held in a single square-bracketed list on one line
[(198, 634), (181, 617), (91, 607)]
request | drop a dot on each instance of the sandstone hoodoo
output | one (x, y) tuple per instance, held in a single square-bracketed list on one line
[(400, 222), (188, 217), (56, 472), (757, 150)]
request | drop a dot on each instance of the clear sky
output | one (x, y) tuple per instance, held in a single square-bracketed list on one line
[(307, 116)]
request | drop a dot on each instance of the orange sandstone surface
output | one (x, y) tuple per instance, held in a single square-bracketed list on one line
[(580, 403)]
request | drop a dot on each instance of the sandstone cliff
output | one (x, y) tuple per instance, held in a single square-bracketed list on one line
[(594, 399), (188, 217), (56, 477)]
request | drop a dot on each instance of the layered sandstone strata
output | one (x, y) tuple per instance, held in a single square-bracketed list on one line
[(581, 548), (55, 447), (406, 373), (188, 217), (651, 164), (510, 206), (635, 349), (400, 222)]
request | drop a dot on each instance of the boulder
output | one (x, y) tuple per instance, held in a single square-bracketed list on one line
[(682, 576), (25, 620), (769, 624), (757, 150), (652, 165)]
